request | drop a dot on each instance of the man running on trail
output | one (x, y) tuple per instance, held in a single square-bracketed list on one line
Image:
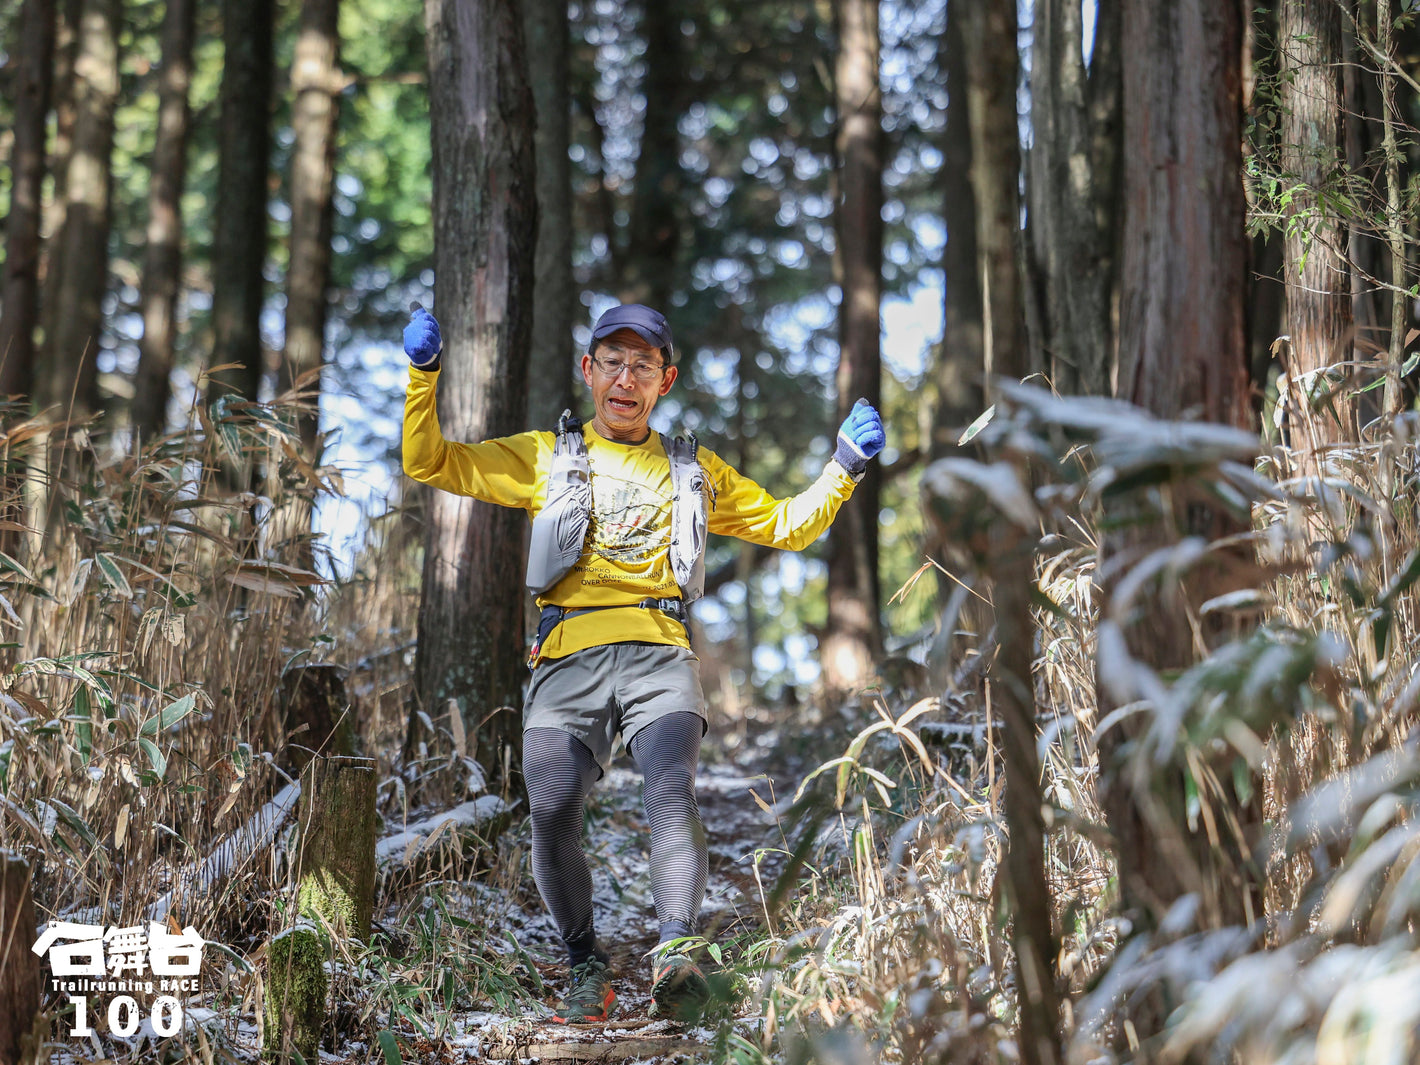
[(619, 521)]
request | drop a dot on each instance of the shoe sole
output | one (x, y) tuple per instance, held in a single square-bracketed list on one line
[(608, 1007), (680, 991)]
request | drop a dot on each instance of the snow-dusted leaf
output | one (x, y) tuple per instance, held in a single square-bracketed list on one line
[(999, 482), (982, 421), (112, 575)]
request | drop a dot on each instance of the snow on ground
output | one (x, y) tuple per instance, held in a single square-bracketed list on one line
[(738, 829)]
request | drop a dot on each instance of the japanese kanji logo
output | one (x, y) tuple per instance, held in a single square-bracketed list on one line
[(87, 959)]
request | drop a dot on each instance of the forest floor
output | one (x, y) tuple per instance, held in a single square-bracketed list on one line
[(747, 849)]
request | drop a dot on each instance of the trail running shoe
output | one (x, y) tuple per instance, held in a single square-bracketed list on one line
[(678, 988), (591, 997)]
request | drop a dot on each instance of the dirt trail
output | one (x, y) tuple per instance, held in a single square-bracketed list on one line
[(617, 842)]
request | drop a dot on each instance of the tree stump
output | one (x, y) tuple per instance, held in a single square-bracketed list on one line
[(19, 965), (315, 713), (296, 986), (336, 866)]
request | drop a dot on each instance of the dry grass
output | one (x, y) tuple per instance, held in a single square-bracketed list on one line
[(151, 614), (915, 961)]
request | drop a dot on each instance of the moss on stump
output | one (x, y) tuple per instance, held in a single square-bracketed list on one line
[(336, 870), (296, 985)]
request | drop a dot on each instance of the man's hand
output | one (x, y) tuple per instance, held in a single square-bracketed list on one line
[(860, 438), (422, 342)]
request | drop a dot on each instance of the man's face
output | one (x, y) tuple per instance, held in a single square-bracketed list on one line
[(624, 402)]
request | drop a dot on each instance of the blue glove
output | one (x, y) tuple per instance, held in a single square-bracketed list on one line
[(860, 438), (422, 342)]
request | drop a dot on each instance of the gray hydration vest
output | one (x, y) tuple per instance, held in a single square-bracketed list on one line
[(559, 531)]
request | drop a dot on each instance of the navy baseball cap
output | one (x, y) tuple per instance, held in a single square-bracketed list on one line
[(651, 326)]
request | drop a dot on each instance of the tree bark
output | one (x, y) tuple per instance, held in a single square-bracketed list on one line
[(162, 263), (1184, 259), (1320, 317), (655, 227), (66, 47), (19, 966), (68, 377), (240, 228), (554, 292), (961, 361), (853, 635), (1072, 246), (22, 227), (1182, 351), (1395, 226), (485, 226), (992, 72), (316, 84)]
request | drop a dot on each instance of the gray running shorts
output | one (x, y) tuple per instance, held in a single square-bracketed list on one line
[(615, 687)]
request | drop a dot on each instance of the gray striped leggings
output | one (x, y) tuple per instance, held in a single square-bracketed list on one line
[(560, 771)]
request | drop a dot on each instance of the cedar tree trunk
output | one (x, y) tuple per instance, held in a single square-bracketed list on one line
[(554, 292), (485, 232), (21, 280), (239, 231), (162, 264), (853, 635)]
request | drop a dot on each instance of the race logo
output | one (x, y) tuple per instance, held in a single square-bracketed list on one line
[(114, 964)]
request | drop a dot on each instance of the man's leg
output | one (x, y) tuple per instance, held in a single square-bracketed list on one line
[(667, 752), (559, 771)]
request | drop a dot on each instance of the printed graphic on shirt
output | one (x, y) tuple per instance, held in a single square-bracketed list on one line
[(631, 525)]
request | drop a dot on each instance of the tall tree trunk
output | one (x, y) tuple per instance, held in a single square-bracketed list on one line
[(1182, 351), (1318, 279), (554, 292), (1395, 226), (1267, 296), (162, 263), (485, 226), (1181, 325), (62, 93), (992, 73), (962, 360), (853, 636), (1071, 246), (316, 84), (239, 231), (71, 369), (21, 283), (655, 228)]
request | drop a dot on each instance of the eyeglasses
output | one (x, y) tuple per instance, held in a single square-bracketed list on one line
[(642, 371)]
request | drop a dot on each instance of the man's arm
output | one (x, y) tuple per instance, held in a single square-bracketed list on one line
[(502, 470), (744, 509)]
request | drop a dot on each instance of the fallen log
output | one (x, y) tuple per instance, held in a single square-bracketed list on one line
[(469, 825), (242, 845)]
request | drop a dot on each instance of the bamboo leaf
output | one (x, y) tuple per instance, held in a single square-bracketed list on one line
[(169, 715), (155, 756), (6, 562), (79, 581), (112, 575)]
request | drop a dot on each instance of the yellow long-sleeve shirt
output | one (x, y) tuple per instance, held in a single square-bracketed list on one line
[(626, 556)]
